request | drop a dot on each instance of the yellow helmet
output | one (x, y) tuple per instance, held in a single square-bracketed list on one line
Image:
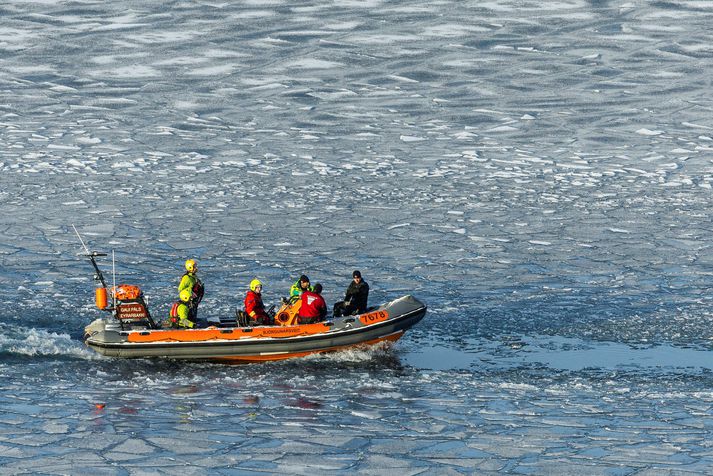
[(254, 284), (191, 265), (185, 295)]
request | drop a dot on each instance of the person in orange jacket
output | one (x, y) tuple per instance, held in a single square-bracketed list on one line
[(254, 307), (313, 308)]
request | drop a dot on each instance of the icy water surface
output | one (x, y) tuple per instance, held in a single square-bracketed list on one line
[(539, 173)]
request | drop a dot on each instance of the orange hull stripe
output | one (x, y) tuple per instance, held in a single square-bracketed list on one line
[(201, 335)]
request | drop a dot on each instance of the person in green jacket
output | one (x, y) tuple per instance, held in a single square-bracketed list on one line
[(300, 286), (179, 316), (190, 282)]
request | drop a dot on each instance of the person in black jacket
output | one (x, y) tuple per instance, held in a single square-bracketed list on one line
[(355, 298)]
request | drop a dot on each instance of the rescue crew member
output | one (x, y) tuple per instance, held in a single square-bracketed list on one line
[(179, 314), (355, 299), (300, 286), (313, 308), (194, 285), (254, 307)]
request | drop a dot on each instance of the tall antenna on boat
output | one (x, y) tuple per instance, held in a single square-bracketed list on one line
[(113, 277), (80, 239), (92, 255)]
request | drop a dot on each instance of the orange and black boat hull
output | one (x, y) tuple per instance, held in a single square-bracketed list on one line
[(257, 344)]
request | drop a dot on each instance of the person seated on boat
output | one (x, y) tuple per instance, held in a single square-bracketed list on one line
[(254, 307), (179, 316), (300, 286), (313, 308), (190, 282), (355, 299)]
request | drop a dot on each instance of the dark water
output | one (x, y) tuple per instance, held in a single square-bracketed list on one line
[(539, 174)]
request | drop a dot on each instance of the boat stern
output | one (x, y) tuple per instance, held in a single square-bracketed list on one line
[(94, 328)]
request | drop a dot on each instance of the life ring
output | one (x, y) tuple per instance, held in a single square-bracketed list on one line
[(282, 318)]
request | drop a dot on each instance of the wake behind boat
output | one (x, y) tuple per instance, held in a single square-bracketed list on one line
[(129, 330)]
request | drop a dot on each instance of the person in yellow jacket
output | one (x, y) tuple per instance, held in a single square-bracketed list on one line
[(179, 317), (191, 283), (300, 286)]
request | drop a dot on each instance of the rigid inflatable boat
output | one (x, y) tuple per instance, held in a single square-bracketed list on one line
[(131, 337), (128, 330)]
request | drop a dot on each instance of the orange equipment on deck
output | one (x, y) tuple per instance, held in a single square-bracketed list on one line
[(287, 314), (100, 298)]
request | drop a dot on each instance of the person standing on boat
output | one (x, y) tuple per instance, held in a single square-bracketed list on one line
[(179, 316), (190, 282), (355, 299), (313, 308), (300, 286), (254, 307)]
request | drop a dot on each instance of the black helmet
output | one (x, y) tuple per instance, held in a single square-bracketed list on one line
[(356, 274), (304, 278), (317, 288)]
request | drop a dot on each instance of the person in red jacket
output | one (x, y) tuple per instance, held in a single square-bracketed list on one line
[(254, 307), (313, 308)]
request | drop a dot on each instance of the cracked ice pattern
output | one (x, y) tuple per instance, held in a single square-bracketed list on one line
[(538, 172)]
